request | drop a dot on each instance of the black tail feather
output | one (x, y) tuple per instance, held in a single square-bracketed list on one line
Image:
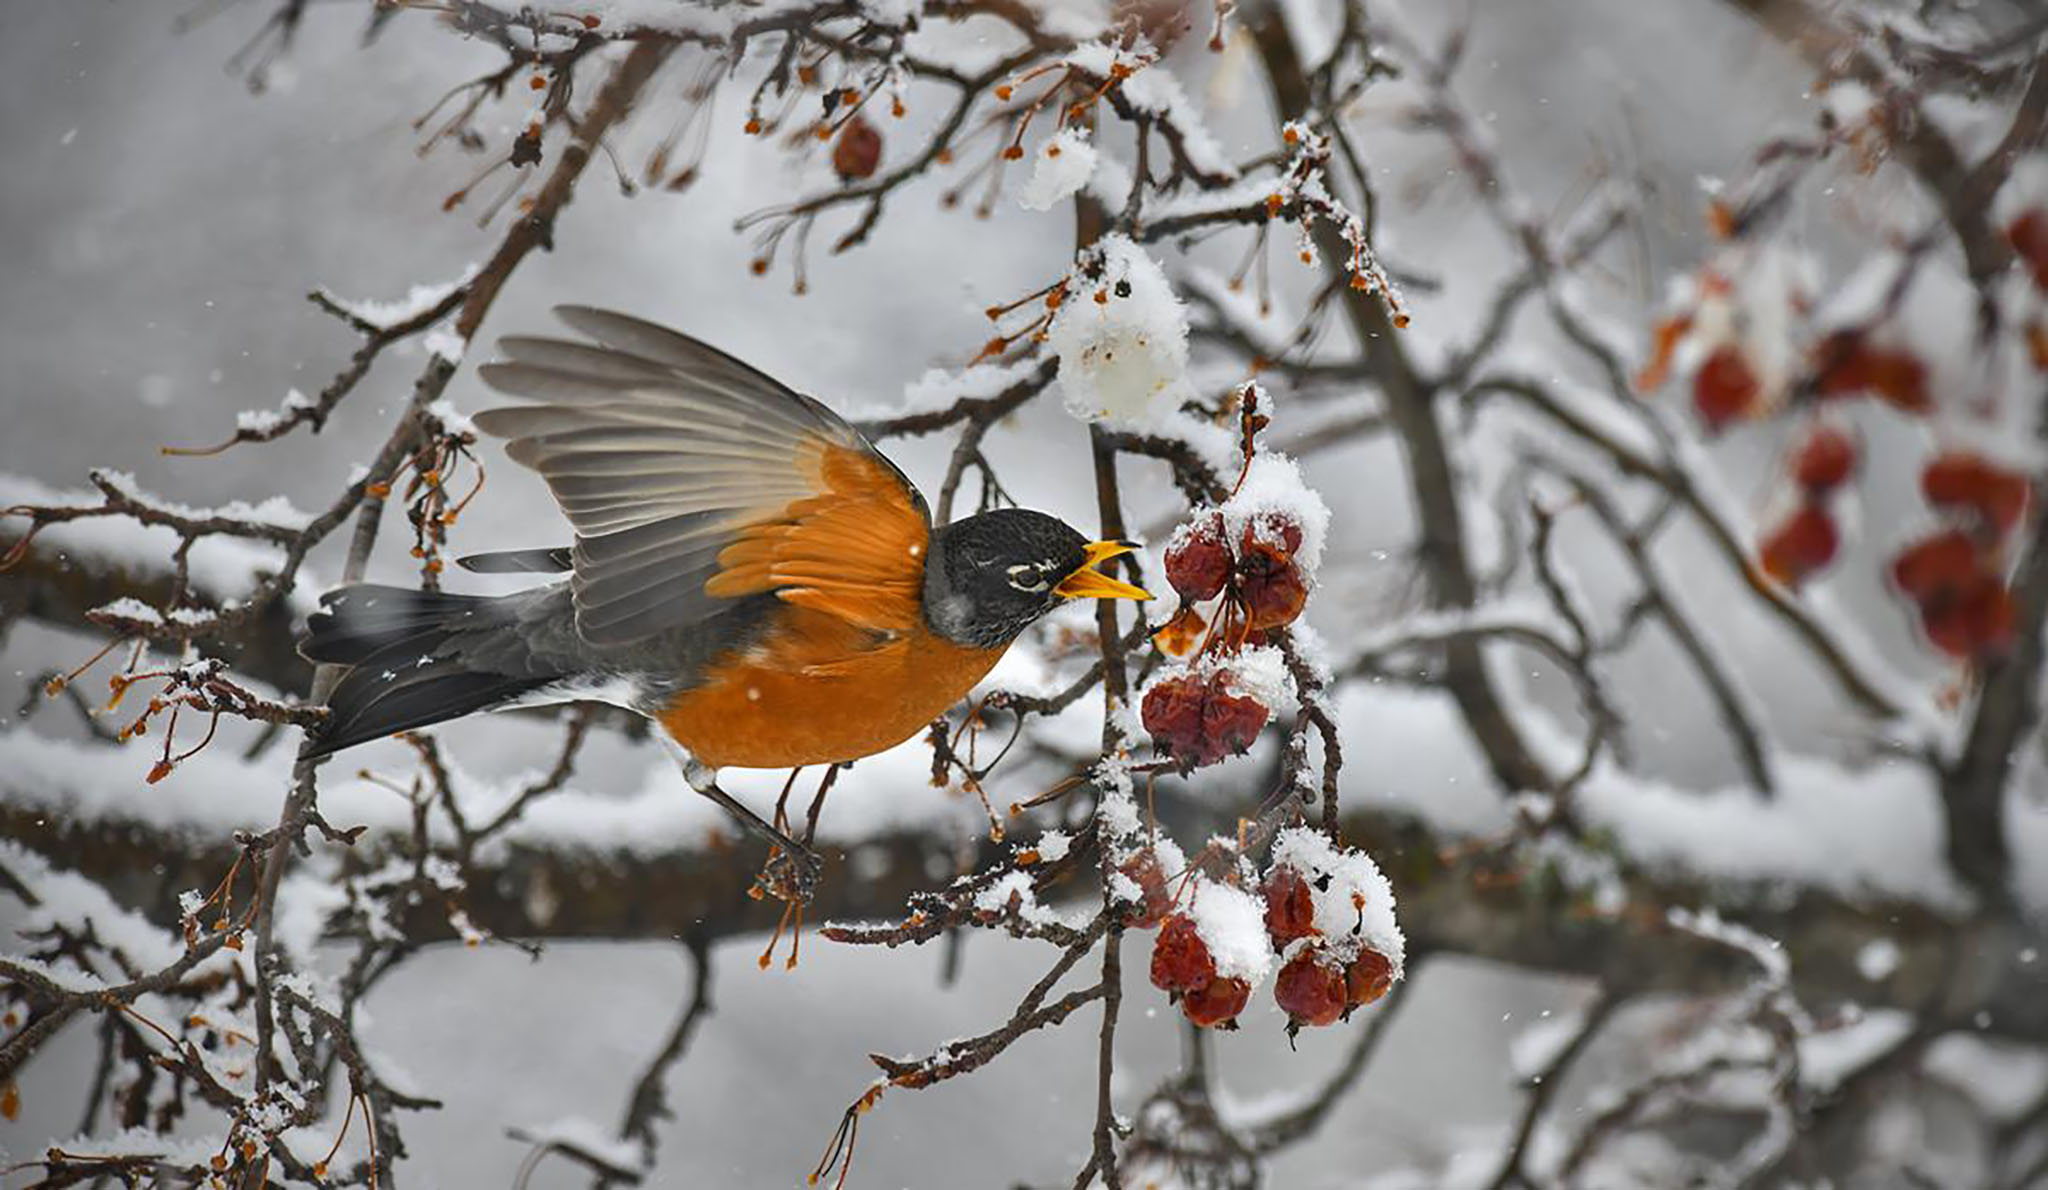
[(412, 658)]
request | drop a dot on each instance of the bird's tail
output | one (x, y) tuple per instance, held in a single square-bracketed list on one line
[(415, 658)]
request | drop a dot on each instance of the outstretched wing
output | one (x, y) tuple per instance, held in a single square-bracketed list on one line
[(693, 480)]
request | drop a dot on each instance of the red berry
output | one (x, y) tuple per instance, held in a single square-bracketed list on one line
[(1368, 978), (858, 152), (1943, 562), (1180, 959), (1974, 621), (1726, 388), (1154, 901), (1802, 545), (1290, 906), (1198, 561), (1959, 479), (1216, 1003), (1308, 992), (1197, 722), (1273, 587), (2029, 235), (1848, 363), (1825, 460)]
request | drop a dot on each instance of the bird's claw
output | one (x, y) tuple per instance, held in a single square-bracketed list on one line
[(790, 875)]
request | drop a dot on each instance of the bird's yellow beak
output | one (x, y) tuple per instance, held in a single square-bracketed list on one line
[(1090, 583)]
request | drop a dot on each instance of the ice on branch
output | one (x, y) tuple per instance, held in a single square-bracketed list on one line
[(1122, 338), (1063, 165)]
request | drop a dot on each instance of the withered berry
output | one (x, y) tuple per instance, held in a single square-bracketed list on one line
[(858, 152), (1290, 906), (1180, 959), (1198, 562), (1154, 901), (1309, 992), (1198, 722), (1273, 587), (1367, 979), (1805, 543), (1726, 388), (1216, 1003), (1825, 460)]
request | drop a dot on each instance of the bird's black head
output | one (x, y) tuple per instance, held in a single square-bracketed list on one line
[(989, 576)]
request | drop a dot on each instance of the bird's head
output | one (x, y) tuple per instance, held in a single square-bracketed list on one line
[(989, 576)]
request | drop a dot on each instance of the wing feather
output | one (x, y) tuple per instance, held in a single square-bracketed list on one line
[(693, 480)]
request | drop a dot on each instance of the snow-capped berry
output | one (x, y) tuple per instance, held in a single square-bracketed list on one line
[(1726, 388), (1154, 901), (858, 152), (1959, 479), (1274, 528), (1272, 585), (1198, 560), (1216, 1003), (2029, 236), (1367, 979), (1825, 460), (1290, 906), (1805, 543), (1195, 719), (1180, 959), (1944, 562), (1308, 992)]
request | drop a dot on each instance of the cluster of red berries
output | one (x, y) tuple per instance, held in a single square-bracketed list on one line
[(1318, 985), (1323, 981), (1258, 573), (1955, 577), (1183, 967), (1197, 716), (1202, 714), (1808, 540)]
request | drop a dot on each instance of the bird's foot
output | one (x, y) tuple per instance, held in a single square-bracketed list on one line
[(791, 874)]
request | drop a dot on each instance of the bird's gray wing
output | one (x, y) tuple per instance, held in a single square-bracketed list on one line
[(662, 451)]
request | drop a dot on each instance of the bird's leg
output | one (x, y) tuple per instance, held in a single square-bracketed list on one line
[(818, 802), (802, 862), (782, 803)]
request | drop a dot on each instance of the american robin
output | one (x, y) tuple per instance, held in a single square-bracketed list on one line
[(748, 572)]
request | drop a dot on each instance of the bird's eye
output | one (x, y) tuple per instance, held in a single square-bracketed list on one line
[(1028, 577)]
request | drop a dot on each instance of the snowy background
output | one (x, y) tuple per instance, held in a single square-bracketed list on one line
[(160, 224)]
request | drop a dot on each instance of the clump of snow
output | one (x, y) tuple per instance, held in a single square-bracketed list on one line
[(1274, 489), (1122, 338), (1259, 672), (1877, 959), (264, 421), (129, 608), (939, 388), (1063, 165), (1232, 924), (417, 301), (452, 420), (580, 1135), (1354, 902)]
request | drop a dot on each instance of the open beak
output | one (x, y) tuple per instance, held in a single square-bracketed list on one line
[(1090, 583)]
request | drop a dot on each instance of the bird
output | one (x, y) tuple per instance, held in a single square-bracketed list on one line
[(748, 572)]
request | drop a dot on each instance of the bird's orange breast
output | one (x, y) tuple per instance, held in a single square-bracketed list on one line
[(821, 691)]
